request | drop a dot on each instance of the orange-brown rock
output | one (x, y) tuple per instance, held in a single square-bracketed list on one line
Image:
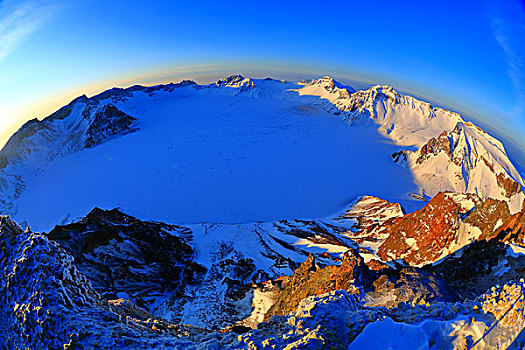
[(513, 229), (487, 215), (310, 279), (435, 146), (385, 286), (376, 265), (421, 236), (426, 235), (509, 186)]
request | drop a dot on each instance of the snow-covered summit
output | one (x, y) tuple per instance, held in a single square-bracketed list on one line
[(326, 88), (239, 84), (235, 81), (328, 83), (468, 160)]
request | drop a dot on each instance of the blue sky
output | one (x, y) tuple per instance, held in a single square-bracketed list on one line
[(468, 56)]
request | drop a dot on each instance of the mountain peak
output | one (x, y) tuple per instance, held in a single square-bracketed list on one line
[(467, 159), (328, 83), (389, 92), (325, 79), (186, 82), (380, 87), (230, 80)]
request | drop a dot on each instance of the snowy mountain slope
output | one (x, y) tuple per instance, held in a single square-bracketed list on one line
[(401, 118), (47, 303), (372, 216), (200, 274), (38, 143), (211, 284), (466, 159), (239, 256), (451, 154)]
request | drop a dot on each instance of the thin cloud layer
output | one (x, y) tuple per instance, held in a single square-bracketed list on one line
[(507, 35), (18, 19)]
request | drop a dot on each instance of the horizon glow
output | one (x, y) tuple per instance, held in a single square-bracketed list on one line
[(467, 57)]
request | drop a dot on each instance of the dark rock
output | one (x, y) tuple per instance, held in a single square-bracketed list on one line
[(478, 267), (121, 254), (108, 121), (240, 329), (513, 229)]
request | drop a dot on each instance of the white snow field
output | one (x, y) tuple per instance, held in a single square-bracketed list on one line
[(217, 155), (241, 151)]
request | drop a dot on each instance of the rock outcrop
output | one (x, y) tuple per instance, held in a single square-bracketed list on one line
[(47, 303), (383, 286), (444, 225), (132, 259), (512, 230), (480, 266), (107, 122), (423, 236), (371, 214), (309, 279)]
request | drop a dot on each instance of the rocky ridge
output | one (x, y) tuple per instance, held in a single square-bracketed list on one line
[(447, 223), (37, 143), (194, 273), (124, 257), (47, 303), (326, 301), (375, 284)]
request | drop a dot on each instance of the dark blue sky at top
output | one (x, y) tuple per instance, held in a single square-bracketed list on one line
[(466, 55)]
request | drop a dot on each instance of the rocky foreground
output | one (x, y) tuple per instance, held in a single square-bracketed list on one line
[(447, 276)]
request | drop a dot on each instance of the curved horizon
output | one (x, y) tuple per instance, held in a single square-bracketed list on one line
[(513, 146), (464, 57)]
